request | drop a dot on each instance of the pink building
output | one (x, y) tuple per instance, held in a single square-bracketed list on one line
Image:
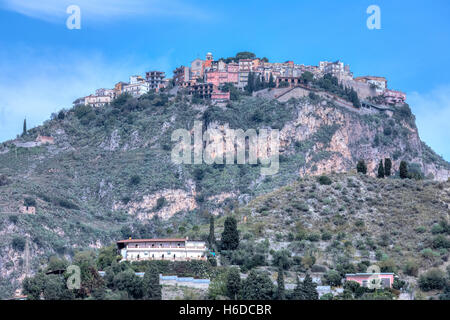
[(220, 96), (394, 97), (387, 279)]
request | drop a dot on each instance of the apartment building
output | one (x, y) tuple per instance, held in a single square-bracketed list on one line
[(175, 249), (155, 79)]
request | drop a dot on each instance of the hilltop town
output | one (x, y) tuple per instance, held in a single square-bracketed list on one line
[(212, 79)]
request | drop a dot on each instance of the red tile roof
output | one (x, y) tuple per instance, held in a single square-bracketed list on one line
[(152, 240)]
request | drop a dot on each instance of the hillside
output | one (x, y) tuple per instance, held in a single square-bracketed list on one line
[(109, 175), (347, 223)]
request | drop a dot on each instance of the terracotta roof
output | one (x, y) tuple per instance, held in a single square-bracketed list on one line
[(152, 240)]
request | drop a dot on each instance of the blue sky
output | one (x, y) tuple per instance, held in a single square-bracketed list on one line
[(44, 66)]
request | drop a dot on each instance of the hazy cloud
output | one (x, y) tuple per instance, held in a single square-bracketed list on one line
[(55, 10), (432, 110)]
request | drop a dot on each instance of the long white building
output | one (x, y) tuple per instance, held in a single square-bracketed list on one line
[(175, 249)]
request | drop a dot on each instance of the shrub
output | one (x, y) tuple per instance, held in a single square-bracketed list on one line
[(18, 243), (135, 180), (13, 219), (325, 180), (29, 202), (333, 278), (440, 241), (282, 259), (411, 268), (3, 180), (160, 203), (326, 236), (434, 279)]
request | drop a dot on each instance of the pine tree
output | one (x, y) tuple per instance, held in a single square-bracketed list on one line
[(381, 170), (309, 288), (212, 237), (152, 288), (230, 235), (280, 284), (233, 283), (24, 126), (361, 167), (257, 286), (403, 170), (305, 290), (387, 167)]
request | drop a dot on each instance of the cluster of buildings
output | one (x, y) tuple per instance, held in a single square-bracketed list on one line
[(205, 78), (137, 86), (175, 249)]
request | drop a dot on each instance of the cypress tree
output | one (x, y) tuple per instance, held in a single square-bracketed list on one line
[(24, 126), (403, 170), (211, 237), (298, 290), (361, 167), (230, 235), (381, 170), (280, 284), (233, 283), (271, 82), (152, 288), (387, 167)]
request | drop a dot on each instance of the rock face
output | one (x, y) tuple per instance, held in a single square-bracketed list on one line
[(338, 138)]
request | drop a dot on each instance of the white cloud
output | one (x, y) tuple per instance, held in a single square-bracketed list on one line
[(36, 87), (55, 10), (432, 110)]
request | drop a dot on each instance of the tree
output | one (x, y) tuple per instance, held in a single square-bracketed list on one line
[(306, 290), (211, 237), (307, 77), (33, 287), (230, 235), (24, 126), (271, 81), (245, 55), (129, 282), (282, 259), (151, 286), (353, 96), (434, 279), (55, 288), (361, 167), (403, 170), (233, 283), (257, 286), (333, 278), (381, 170), (387, 167), (106, 257), (280, 285)]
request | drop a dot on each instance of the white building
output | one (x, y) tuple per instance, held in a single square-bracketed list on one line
[(378, 83), (97, 101), (162, 249), (137, 86), (336, 69)]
